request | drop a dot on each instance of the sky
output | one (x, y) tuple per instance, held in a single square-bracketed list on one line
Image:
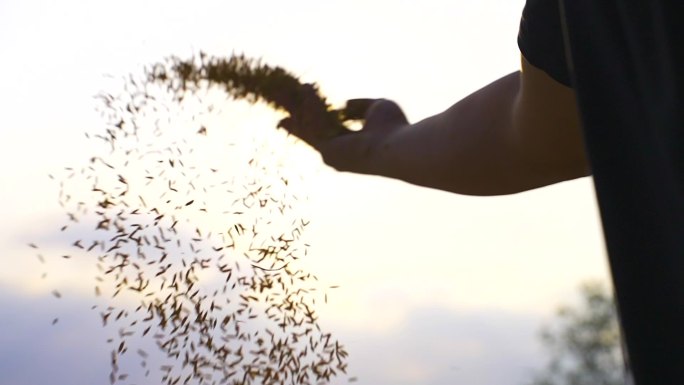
[(435, 288)]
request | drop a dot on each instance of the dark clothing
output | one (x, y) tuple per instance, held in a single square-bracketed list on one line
[(540, 39), (626, 63)]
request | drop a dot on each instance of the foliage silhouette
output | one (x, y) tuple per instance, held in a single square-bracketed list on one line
[(584, 345)]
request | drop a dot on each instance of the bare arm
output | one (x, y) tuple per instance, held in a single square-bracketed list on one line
[(518, 133)]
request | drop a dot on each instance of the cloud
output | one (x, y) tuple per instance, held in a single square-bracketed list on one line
[(433, 346), (440, 346), (33, 351)]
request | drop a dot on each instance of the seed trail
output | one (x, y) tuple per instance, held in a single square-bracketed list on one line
[(198, 257)]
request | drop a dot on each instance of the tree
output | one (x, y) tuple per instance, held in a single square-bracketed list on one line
[(584, 343)]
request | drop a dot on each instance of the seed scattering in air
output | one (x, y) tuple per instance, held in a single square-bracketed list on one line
[(197, 256)]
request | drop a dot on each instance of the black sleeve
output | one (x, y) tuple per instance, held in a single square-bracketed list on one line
[(540, 39)]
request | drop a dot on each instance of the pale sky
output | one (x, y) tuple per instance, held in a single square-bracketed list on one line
[(435, 288)]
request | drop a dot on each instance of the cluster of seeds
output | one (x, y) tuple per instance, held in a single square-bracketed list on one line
[(194, 252)]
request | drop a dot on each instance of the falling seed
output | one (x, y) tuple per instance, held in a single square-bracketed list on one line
[(137, 254)]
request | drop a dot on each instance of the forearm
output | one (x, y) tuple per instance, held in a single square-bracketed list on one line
[(465, 149), (472, 148)]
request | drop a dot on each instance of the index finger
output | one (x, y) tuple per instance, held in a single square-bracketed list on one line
[(356, 109)]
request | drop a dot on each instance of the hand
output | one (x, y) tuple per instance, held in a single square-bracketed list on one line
[(343, 149)]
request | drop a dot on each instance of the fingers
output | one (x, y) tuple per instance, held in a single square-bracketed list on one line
[(302, 128), (288, 125), (384, 115), (343, 149), (351, 152), (375, 112), (309, 119), (357, 152), (356, 109)]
